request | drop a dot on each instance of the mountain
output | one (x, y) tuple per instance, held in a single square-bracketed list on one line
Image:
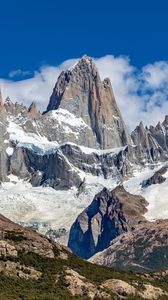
[(33, 144), (82, 111), (34, 267), (110, 214), (152, 142), (81, 91), (120, 229), (53, 164)]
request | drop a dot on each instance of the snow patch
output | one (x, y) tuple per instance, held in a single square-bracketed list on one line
[(155, 194), (9, 151), (46, 206), (32, 141), (64, 116), (87, 150)]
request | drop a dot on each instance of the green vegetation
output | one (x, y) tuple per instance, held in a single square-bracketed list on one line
[(52, 285), (15, 236)]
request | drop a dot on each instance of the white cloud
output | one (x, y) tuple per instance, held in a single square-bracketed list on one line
[(155, 75), (140, 94), (38, 88), (18, 73)]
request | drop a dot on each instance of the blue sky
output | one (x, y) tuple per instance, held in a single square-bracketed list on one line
[(127, 38), (37, 32)]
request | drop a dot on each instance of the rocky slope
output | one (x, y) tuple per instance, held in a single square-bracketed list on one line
[(33, 267), (144, 249), (156, 178), (110, 214)]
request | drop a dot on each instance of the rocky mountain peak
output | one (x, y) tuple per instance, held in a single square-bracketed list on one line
[(81, 91), (85, 64), (165, 122), (9, 105), (141, 127), (32, 111)]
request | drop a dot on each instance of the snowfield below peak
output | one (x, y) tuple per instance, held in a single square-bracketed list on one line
[(49, 208), (155, 194), (30, 140), (64, 116), (54, 209)]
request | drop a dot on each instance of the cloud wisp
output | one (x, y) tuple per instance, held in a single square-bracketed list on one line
[(140, 94)]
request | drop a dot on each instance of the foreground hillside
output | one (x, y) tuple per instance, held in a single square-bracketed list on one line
[(34, 268), (144, 249)]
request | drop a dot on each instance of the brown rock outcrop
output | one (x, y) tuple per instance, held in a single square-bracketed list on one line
[(32, 112)]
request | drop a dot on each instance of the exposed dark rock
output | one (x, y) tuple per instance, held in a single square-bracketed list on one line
[(156, 178), (110, 214)]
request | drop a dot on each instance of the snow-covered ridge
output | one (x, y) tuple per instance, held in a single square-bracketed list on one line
[(99, 152), (64, 116), (41, 145), (30, 140)]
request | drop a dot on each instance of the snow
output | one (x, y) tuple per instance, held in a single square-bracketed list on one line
[(9, 151), (50, 208), (55, 209), (155, 194), (64, 116), (30, 140), (99, 152), (116, 118), (42, 145), (73, 66)]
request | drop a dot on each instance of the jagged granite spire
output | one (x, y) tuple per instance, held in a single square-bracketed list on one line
[(81, 91), (32, 111)]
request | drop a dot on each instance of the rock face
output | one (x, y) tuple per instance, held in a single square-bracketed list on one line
[(32, 111), (62, 169), (144, 249), (156, 178), (81, 91), (110, 214), (151, 143)]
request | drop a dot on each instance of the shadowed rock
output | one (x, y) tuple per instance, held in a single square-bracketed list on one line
[(156, 178), (110, 214)]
